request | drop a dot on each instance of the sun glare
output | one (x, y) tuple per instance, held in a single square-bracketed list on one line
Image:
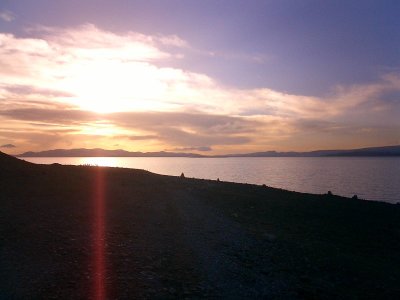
[(112, 86)]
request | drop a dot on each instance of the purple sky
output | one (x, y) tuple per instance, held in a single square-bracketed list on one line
[(225, 76)]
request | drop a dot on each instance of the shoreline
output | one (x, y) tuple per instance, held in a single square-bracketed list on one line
[(291, 174), (172, 237)]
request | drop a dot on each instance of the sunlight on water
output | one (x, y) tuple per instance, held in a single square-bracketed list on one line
[(99, 161)]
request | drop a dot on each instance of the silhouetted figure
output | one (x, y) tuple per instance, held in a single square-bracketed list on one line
[(354, 197), (330, 193), (218, 179), (182, 175)]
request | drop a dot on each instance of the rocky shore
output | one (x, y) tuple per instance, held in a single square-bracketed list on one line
[(170, 237)]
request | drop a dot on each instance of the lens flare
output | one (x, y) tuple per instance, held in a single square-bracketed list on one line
[(99, 261)]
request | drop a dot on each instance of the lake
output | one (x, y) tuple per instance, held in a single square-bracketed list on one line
[(371, 178)]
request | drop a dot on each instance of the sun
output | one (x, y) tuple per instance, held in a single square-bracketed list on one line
[(111, 86)]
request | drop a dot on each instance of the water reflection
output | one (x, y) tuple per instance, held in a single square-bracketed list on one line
[(100, 161)]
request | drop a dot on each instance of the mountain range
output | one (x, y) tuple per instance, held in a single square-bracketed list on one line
[(372, 151)]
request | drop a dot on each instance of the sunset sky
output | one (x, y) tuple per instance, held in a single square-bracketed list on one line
[(209, 77)]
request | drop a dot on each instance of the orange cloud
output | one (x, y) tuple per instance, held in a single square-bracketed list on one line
[(66, 77)]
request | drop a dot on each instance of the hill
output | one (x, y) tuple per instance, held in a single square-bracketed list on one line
[(102, 153), (374, 151)]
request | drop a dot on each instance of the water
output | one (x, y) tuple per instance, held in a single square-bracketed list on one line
[(371, 178)]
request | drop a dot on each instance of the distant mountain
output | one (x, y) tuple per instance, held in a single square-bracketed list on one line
[(103, 153), (374, 151)]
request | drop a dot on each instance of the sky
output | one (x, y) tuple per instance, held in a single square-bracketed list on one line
[(209, 77)]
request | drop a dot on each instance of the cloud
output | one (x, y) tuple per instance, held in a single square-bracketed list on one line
[(102, 71), (7, 16), (8, 146), (173, 40), (188, 129), (99, 84), (26, 90), (37, 139), (95, 66), (88, 41), (201, 148), (249, 58), (175, 128), (54, 116), (197, 139), (213, 123), (143, 137)]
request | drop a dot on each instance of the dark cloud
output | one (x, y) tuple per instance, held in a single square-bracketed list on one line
[(203, 149), (31, 90), (176, 128), (37, 139), (314, 125), (49, 126), (194, 139), (8, 146), (190, 129), (23, 103), (143, 137), (201, 122), (54, 116)]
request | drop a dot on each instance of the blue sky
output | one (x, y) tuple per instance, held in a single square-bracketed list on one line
[(310, 53)]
